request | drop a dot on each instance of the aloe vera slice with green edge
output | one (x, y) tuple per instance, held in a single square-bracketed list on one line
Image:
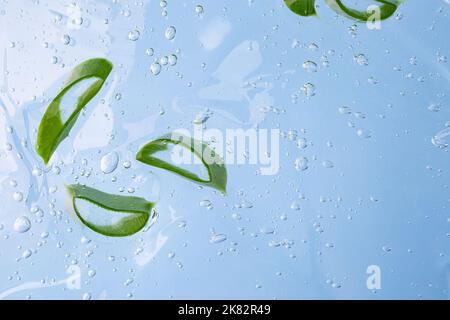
[(138, 209), (53, 129), (387, 9), (216, 169), (304, 8)]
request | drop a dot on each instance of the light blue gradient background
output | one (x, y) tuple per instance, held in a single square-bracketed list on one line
[(398, 165)]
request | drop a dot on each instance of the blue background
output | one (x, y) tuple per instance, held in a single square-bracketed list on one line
[(384, 202)]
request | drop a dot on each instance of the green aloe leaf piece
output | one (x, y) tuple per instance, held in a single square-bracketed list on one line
[(137, 211), (53, 129), (387, 9), (213, 162), (304, 8), (307, 8)]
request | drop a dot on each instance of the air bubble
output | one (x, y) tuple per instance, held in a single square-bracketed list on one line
[(109, 162), (361, 59), (310, 66), (301, 164), (217, 238), (308, 89), (199, 9), (155, 68), (172, 59), (441, 139), (134, 35), (170, 33), (18, 196), (65, 39), (22, 224)]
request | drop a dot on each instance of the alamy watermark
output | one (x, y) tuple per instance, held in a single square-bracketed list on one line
[(374, 17), (374, 279), (259, 147)]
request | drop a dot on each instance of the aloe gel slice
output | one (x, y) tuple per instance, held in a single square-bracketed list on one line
[(387, 9), (56, 124), (110, 215), (304, 8), (307, 8), (213, 163)]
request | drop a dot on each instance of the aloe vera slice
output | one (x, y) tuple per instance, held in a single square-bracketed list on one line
[(136, 211), (53, 129), (307, 8), (387, 9), (216, 169), (304, 8)]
